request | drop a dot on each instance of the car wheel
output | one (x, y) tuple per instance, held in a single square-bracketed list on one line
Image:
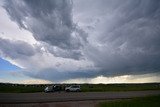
[(68, 90)]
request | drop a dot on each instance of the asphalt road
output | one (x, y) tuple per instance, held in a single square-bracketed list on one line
[(16, 98)]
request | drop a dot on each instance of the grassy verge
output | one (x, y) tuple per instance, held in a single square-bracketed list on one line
[(153, 101)]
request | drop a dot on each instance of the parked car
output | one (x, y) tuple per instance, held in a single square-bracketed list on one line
[(73, 88), (53, 88)]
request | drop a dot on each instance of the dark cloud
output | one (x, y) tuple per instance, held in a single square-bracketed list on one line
[(50, 21), (123, 36), (73, 54), (15, 49), (130, 44), (52, 74)]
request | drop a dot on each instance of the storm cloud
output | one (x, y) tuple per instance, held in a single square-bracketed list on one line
[(50, 22), (15, 49), (128, 38), (87, 38)]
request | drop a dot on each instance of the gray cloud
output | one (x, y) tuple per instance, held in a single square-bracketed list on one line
[(58, 52), (129, 41), (123, 36), (52, 74), (50, 21), (15, 49)]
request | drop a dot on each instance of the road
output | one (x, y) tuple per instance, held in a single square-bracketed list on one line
[(6, 98)]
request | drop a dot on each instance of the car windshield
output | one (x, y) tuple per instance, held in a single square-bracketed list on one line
[(75, 86)]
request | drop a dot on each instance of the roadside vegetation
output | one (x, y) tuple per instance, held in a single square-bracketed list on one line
[(153, 101), (21, 88), (119, 87), (17, 88)]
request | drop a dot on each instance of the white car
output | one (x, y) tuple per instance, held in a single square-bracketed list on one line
[(52, 88), (73, 88)]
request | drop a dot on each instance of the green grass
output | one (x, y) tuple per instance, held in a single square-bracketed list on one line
[(20, 88), (153, 101), (118, 87)]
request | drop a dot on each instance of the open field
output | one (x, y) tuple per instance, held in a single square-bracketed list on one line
[(10, 88), (153, 101), (20, 88), (119, 87)]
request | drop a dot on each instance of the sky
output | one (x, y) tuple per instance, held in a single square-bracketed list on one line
[(79, 41)]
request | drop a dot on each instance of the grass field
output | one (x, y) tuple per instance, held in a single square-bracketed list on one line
[(153, 101), (20, 89), (119, 87), (5, 88)]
